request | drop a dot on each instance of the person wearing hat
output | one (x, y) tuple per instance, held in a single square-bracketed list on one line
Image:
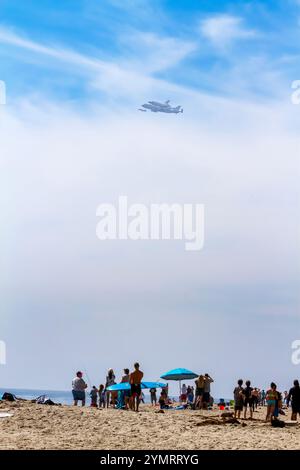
[(78, 389)]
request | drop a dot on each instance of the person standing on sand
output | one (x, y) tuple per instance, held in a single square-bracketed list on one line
[(199, 391), (190, 395), (248, 399), (110, 380), (135, 380), (153, 396), (126, 393), (206, 394), (271, 397), (255, 398), (263, 398), (278, 405), (238, 399), (78, 389), (94, 397), (101, 396), (183, 394), (294, 395)]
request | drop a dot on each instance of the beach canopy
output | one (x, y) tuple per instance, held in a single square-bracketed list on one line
[(126, 386), (179, 374)]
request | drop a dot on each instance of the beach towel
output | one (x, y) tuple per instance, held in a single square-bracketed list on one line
[(5, 415)]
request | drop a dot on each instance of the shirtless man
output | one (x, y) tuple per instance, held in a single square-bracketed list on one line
[(135, 379)]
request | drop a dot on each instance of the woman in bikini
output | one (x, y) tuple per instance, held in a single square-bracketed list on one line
[(271, 397)]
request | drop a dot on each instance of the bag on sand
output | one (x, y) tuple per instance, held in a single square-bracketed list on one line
[(8, 396), (44, 400), (277, 423)]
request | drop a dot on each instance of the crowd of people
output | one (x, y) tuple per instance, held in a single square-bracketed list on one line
[(246, 397), (103, 397), (198, 396)]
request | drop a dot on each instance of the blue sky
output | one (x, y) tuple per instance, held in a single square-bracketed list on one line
[(203, 45), (71, 138)]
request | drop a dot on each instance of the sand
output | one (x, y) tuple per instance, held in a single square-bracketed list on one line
[(63, 427)]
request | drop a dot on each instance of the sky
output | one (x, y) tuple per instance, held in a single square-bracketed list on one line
[(72, 137)]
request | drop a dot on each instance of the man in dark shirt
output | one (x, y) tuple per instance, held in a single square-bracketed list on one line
[(294, 395)]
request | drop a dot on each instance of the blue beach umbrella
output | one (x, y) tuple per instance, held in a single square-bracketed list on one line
[(179, 375), (126, 386)]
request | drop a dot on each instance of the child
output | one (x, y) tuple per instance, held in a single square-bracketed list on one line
[(94, 397), (163, 401), (153, 396), (238, 399), (190, 395)]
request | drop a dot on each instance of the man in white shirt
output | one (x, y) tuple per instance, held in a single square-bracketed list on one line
[(78, 389)]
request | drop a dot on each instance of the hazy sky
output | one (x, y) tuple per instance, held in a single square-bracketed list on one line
[(72, 138)]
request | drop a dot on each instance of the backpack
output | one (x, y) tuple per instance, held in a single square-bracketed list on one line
[(8, 396)]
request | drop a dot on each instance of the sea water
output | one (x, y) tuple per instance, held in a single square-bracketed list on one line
[(63, 397)]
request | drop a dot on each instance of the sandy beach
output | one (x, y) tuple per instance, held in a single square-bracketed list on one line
[(63, 427)]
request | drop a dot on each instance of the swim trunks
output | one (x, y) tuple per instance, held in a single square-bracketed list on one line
[(136, 390)]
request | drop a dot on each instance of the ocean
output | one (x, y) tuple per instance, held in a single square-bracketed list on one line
[(63, 397), (58, 396)]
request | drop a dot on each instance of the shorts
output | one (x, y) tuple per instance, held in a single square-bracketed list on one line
[(248, 401), (136, 390), (238, 407), (199, 392), (296, 408), (206, 397), (78, 395), (271, 402)]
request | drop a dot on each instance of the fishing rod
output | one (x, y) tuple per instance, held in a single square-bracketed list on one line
[(87, 376)]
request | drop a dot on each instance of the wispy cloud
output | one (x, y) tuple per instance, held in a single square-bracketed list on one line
[(9, 37), (126, 77), (223, 30), (154, 53)]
